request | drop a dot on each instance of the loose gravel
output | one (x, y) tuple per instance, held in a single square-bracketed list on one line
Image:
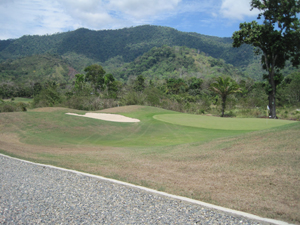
[(36, 194)]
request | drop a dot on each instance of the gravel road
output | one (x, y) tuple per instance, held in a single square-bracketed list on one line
[(36, 194)]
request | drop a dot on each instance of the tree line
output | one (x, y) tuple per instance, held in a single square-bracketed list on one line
[(95, 89)]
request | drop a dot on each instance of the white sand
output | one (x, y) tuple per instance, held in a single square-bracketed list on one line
[(108, 117)]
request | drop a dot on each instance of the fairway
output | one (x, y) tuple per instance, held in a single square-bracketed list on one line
[(54, 127), (219, 123)]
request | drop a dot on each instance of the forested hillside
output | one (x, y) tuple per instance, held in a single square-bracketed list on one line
[(125, 53), (37, 68), (181, 62), (129, 43)]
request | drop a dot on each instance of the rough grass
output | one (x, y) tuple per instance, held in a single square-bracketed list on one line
[(256, 172)]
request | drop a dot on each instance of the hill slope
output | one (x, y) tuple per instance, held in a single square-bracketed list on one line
[(128, 43), (36, 68), (166, 62), (84, 47)]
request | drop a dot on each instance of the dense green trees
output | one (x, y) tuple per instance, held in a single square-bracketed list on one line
[(139, 83), (169, 62), (190, 94), (95, 74), (112, 86), (49, 95), (278, 38), (289, 90)]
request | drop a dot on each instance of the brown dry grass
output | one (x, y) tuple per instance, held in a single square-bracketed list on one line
[(257, 173)]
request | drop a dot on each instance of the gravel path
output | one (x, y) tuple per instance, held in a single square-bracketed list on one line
[(35, 194)]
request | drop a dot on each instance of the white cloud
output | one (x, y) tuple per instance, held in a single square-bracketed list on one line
[(101, 14), (237, 9), (142, 9), (22, 17)]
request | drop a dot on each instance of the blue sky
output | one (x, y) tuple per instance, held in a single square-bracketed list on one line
[(39, 17)]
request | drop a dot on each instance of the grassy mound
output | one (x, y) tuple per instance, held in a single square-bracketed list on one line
[(51, 126)]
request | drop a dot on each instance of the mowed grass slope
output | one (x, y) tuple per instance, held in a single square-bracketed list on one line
[(253, 171), (57, 128)]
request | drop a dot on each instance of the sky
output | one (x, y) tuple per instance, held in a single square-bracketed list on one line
[(41, 17)]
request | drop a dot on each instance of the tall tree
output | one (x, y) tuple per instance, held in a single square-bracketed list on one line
[(224, 87), (95, 74), (79, 82), (139, 83), (277, 38), (111, 85)]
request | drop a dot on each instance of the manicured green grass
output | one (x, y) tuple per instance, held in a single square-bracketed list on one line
[(57, 128), (158, 127), (219, 123)]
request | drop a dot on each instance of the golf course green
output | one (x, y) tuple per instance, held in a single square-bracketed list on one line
[(219, 123)]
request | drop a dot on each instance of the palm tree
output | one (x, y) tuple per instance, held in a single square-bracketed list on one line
[(224, 87)]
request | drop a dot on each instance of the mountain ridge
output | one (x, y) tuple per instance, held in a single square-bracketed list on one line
[(127, 42), (83, 47)]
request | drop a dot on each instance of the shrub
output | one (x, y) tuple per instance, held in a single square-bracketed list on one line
[(12, 107), (230, 114)]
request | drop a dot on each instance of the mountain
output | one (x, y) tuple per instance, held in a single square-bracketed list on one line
[(83, 47), (128, 43)]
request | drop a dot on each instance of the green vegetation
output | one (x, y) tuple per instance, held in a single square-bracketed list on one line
[(167, 62), (36, 68), (113, 48), (62, 129), (128, 43), (277, 40), (224, 87), (189, 94), (17, 100), (13, 106)]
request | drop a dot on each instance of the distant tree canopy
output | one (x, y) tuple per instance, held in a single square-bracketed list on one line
[(95, 74), (139, 83)]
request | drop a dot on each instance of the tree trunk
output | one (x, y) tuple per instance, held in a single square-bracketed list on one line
[(223, 105), (272, 104), (272, 96)]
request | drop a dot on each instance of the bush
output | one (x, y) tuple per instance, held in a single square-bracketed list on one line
[(133, 98), (230, 114), (12, 107)]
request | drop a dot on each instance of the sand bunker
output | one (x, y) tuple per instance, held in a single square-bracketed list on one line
[(108, 117)]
